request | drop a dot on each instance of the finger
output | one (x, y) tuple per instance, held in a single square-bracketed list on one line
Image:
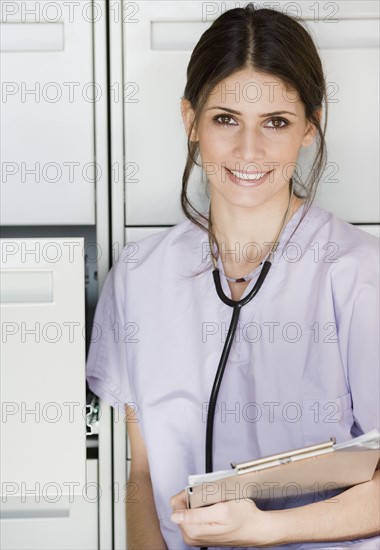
[(215, 514), (206, 534), (179, 501)]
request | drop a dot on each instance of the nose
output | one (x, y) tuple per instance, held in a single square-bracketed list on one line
[(249, 146)]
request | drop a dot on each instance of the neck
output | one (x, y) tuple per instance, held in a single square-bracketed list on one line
[(237, 228)]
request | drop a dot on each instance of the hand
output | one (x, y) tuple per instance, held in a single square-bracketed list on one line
[(231, 523)]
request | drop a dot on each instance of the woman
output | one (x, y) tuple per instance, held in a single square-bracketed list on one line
[(304, 361)]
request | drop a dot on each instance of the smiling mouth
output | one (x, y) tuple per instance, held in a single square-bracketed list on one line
[(248, 176), (247, 179)]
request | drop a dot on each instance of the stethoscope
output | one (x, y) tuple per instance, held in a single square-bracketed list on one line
[(236, 305)]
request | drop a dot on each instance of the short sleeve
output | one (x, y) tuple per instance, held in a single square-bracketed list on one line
[(106, 367), (363, 363)]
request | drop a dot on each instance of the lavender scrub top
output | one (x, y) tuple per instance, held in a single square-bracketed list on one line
[(304, 365)]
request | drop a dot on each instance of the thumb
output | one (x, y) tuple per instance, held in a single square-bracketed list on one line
[(179, 501)]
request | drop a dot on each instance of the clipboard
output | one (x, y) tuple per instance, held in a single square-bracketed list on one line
[(290, 474)]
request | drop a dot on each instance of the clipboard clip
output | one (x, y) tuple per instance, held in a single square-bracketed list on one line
[(284, 458)]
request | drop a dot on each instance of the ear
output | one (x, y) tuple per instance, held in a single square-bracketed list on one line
[(187, 117), (311, 131)]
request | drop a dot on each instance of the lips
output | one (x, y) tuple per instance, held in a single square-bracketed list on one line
[(248, 175), (245, 180)]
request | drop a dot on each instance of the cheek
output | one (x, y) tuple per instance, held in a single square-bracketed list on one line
[(213, 150), (284, 151)]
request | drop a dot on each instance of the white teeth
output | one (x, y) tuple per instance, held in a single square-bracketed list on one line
[(248, 176)]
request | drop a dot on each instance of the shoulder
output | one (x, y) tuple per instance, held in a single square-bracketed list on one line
[(351, 243), (349, 234), (169, 250), (172, 236), (349, 255)]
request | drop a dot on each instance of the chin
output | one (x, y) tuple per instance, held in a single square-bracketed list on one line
[(247, 202), (236, 196)]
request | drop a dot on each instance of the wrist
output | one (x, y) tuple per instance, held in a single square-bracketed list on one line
[(280, 528), (273, 530), (267, 529)]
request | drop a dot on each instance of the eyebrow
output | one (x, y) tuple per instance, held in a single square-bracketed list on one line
[(263, 115)]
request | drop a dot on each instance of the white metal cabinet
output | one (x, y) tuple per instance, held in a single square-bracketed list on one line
[(68, 523), (43, 435), (48, 102), (155, 140), (350, 55)]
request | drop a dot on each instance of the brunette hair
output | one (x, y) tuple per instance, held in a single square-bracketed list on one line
[(266, 41)]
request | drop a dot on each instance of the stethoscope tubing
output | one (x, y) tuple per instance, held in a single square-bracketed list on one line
[(236, 305), (216, 387)]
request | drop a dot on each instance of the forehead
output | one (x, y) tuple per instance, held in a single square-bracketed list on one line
[(246, 89)]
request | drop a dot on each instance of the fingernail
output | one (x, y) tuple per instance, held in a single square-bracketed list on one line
[(177, 517)]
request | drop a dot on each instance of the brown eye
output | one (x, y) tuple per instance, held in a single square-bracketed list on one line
[(217, 119), (279, 123)]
